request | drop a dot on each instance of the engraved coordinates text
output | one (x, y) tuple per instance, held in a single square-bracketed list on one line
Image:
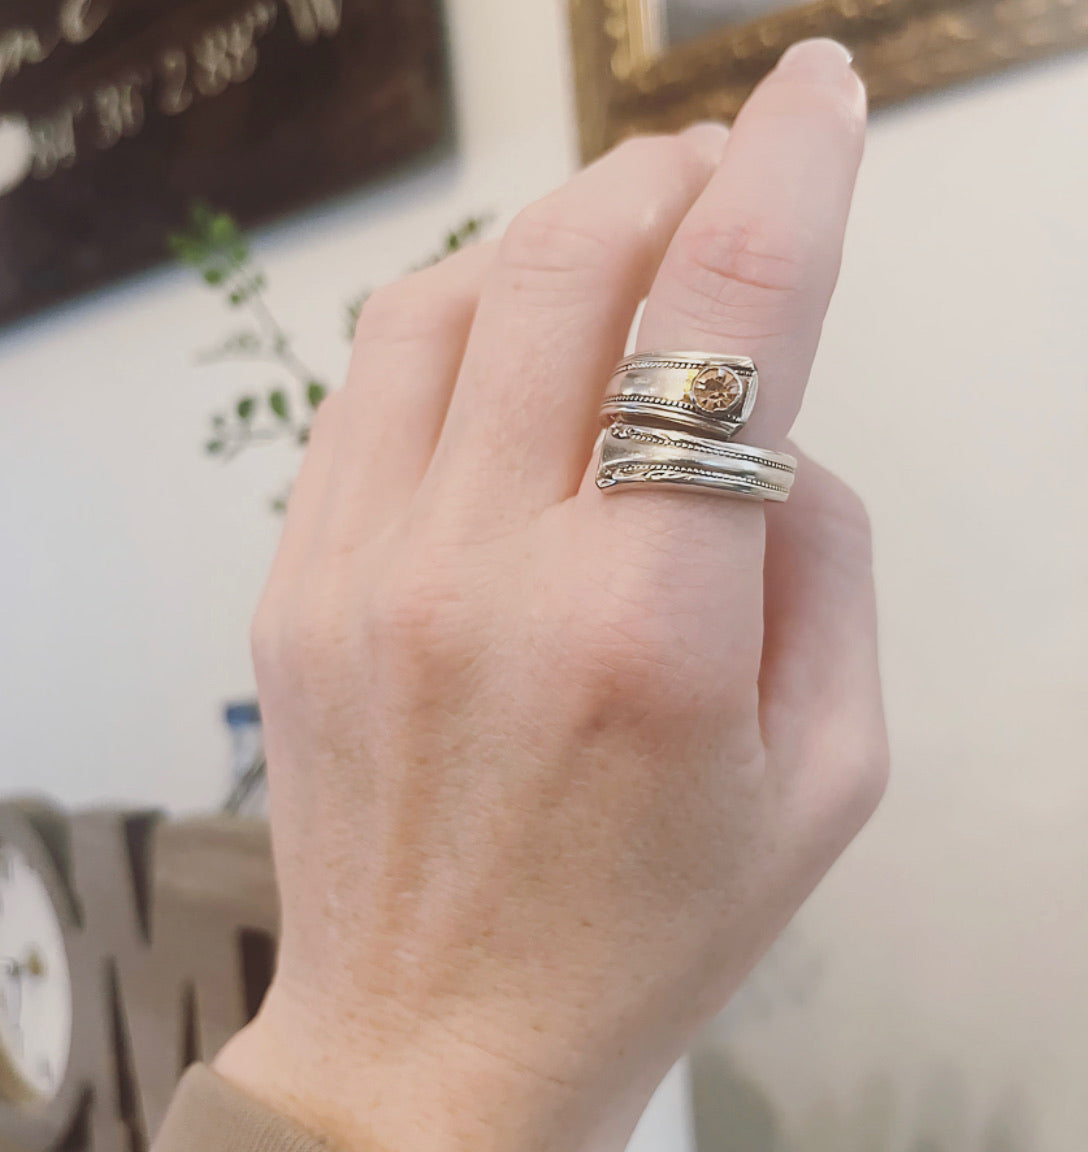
[(221, 55)]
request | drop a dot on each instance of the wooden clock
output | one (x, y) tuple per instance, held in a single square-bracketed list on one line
[(130, 946)]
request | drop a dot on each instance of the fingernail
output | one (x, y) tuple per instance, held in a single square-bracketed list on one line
[(707, 126), (709, 136), (819, 59)]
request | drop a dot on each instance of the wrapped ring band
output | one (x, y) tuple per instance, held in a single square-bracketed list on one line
[(669, 419), (705, 392), (631, 454)]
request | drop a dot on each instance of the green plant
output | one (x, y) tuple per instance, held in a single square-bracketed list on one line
[(214, 245)]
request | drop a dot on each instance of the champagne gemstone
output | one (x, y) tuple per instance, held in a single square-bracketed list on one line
[(716, 389)]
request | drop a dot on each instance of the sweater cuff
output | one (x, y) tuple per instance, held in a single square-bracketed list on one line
[(209, 1115)]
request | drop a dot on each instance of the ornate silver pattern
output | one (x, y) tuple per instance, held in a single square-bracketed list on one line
[(680, 475), (768, 459), (714, 392), (659, 431)]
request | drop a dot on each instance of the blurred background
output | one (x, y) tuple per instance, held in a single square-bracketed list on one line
[(933, 994)]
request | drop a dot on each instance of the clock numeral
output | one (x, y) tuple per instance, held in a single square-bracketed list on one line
[(19, 46), (120, 109), (176, 93), (53, 140), (313, 18), (79, 20), (223, 56)]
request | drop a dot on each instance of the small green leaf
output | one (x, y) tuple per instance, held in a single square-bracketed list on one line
[(240, 342), (213, 276), (214, 447), (222, 230), (315, 393), (219, 421), (237, 297), (353, 312), (246, 407), (187, 250), (277, 401)]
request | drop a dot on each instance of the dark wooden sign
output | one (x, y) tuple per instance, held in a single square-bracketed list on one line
[(116, 115)]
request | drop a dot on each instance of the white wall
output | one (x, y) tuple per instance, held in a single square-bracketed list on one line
[(947, 956), (932, 995), (130, 562)]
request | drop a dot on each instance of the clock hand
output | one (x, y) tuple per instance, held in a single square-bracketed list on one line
[(11, 998), (33, 965)]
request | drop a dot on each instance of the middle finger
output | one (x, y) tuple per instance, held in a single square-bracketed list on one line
[(553, 318)]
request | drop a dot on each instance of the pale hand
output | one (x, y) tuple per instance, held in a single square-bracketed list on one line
[(551, 767)]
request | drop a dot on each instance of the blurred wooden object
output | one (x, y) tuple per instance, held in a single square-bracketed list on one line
[(170, 930)]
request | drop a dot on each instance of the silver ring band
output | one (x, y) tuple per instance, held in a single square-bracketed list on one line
[(711, 393), (670, 419), (652, 455)]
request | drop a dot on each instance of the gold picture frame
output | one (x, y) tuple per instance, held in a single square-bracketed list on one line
[(627, 81)]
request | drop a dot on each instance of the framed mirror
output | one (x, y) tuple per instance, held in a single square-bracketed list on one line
[(654, 65)]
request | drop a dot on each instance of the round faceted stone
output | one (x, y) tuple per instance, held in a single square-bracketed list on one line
[(715, 389)]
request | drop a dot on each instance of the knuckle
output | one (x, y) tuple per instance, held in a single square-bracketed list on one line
[(382, 307), (316, 637), (304, 637), (403, 613), (856, 775), (849, 517), (264, 634), (622, 660), (663, 153), (292, 639), (326, 419), (847, 505), (850, 508), (548, 250), (409, 310), (868, 777), (637, 663), (746, 270), (419, 629)]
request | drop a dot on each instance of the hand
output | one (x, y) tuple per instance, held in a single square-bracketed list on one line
[(551, 767)]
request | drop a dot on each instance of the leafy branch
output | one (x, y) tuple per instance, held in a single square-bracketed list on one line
[(214, 245)]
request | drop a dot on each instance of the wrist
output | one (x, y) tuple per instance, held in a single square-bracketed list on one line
[(371, 1080)]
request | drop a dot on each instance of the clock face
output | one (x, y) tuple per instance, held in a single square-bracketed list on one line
[(35, 988)]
